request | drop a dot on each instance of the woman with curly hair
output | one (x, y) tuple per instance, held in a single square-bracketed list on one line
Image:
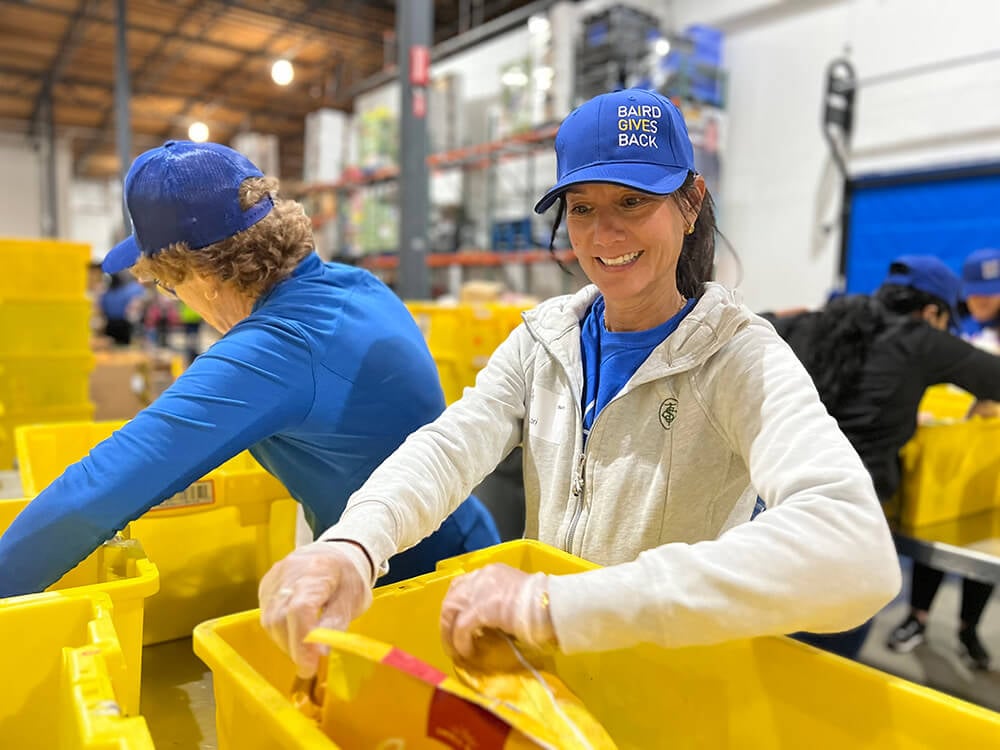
[(321, 372)]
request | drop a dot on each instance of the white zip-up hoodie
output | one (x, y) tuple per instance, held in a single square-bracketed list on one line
[(720, 412)]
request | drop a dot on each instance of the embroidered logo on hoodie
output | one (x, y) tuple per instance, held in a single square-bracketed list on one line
[(668, 413)]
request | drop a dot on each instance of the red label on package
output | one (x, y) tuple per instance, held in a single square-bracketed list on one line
[(462, 725)]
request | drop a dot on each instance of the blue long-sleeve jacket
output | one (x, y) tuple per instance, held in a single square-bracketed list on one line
[(322, 381)]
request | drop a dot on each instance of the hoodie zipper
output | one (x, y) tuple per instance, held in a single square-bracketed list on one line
[(577, 493), (577, 487)]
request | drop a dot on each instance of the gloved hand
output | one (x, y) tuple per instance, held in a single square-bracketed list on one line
[(323, 584), (496, 597)]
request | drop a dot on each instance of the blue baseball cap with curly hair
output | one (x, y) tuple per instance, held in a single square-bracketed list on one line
[(634, 137), (184, 192)]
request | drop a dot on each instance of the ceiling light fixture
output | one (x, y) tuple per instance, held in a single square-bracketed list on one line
[(282, 72), (198, 131)]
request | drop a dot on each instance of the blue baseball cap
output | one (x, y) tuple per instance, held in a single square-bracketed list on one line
[(184, 192), (981, 273), (632, 137), (927, 274)]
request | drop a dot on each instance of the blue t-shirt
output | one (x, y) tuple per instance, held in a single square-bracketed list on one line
[(115, 302), (611, 358), (322, 381)]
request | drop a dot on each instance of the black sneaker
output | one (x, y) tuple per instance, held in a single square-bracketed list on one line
[(907, 635), (974, 650)]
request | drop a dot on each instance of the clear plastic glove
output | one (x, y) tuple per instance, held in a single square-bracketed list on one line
[(323, 584), (497, 597)]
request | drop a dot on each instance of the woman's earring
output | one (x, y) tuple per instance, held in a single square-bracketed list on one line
[(213, 296), (690, 230)]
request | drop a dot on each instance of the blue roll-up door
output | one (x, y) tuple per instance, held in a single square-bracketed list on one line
[(947, 213)]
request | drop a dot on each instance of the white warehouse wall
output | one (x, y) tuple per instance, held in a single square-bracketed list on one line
[(21, 200), (779, 186)]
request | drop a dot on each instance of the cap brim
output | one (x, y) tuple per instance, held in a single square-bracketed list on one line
[(123, 255), (649, 178), (983, 288)]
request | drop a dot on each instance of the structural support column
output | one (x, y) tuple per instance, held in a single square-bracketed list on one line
[(414, 36), (50, 192), (123, 96)]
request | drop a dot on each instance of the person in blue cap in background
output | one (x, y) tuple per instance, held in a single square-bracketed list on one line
[(981, 292), (120, 305), (321, 371), (653, 408), (872, 358)]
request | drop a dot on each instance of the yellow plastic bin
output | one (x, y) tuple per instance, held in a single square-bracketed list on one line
[(29, 382), (212, 542), (40, 326), (121, 572), (448, 331), (43, 268), (950, 471), (765, 693), (65, 676), (11, 419), (946, 402)]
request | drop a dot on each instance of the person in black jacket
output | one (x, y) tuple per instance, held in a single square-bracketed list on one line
[(981, 288), (872, 358)]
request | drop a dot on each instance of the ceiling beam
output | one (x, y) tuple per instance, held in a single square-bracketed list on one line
[(67, 46), (230, 78), (92, 16), (352, 23), (227, 100), (144, 82)]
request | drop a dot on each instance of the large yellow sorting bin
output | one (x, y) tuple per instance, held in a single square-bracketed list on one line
[(64, 676), (949, 471), (120, 570), (212, 542), (766, 693)]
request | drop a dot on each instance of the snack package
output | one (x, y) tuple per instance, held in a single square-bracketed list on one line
[(369, 694)]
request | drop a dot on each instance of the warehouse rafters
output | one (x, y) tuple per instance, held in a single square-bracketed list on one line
[(206, 60)]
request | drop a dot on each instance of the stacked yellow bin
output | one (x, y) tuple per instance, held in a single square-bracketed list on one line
[(45, 358), (462, 337)]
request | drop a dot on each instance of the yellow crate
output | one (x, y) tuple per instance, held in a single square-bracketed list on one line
[(122, 571), (65, 676), (11, 420), (212, 542), (44, 326), (43, 268), (42, 382), (745, 694), (443, 326), (950, 471), (946, 402), (462, 338)]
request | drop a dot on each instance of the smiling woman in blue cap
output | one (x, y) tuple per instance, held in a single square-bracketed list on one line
[(653, 409), (321, 372)]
